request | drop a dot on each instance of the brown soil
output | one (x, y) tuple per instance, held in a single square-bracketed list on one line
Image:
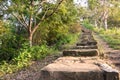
[(32, 72), (111, 56)]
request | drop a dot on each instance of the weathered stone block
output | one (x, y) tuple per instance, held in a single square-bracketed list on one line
[(73, 70), (80, 52), (111, 75), (86, 47), (92, 43), (108, 72), (86, 43)]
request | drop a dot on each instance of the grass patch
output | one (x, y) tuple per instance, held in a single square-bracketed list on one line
[(87, 25), (111, 36), (73, 38)]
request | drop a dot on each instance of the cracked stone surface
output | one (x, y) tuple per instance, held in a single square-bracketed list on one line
[(78, 68), (71, 68)]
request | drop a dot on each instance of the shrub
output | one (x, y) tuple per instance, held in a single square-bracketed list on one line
[(34, 53), (87, 25), (10, 46)]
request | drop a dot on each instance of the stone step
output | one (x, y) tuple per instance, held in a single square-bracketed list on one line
[(87, 43), (114, 57), (116, 62), (108, 72), (86, 31), (90, 33), (86, 47), (90, 39), (80, 52), (86, 37), (70, 68)]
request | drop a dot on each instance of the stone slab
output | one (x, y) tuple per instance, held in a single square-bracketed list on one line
[(80, 52), (109, 72), (87, 43), (86, 47), (77, 68), (71, 68)]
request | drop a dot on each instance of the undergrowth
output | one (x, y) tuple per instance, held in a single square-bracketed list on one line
[(111, 36), (25, 58), (26, 55)]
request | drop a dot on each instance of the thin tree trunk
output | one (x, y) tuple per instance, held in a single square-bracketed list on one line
[(105, 24), (31, 33), (95, 23), (30, 39)]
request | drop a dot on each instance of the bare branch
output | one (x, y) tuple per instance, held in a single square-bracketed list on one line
[(43, 17), (23, 19), (40, 5), (19, 20), (55, 9)]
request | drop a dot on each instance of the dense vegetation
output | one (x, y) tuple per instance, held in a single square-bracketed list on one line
[(111, 36), (28, 34)]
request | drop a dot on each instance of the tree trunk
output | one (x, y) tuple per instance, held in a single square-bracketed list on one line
[(95, 23), (30, 39), (105, 24)]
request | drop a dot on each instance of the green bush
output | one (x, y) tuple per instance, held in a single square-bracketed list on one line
[(24, 58), (34, 53), (39, 52), (87, 25), (10, 46)]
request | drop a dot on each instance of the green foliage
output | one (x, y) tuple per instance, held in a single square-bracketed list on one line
[(87, 25), (114, 18), (93, 4), (7, 50), (10, 46), (38, 52), (24, 58), (7, 68), (2, 28), (111, 36), (56, 30)]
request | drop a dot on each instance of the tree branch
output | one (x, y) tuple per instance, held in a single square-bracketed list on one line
[(43, 17), (23, 19), (40, 5), (30, 17), (34, 29), (54, 10), (20, 21)]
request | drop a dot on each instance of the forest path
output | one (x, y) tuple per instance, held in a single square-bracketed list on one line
[(81, 62)]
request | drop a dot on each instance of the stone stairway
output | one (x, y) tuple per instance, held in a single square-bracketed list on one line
[(80, 62), (87, 46)]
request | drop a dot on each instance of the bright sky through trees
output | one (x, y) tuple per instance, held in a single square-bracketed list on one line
[(81, 2)]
